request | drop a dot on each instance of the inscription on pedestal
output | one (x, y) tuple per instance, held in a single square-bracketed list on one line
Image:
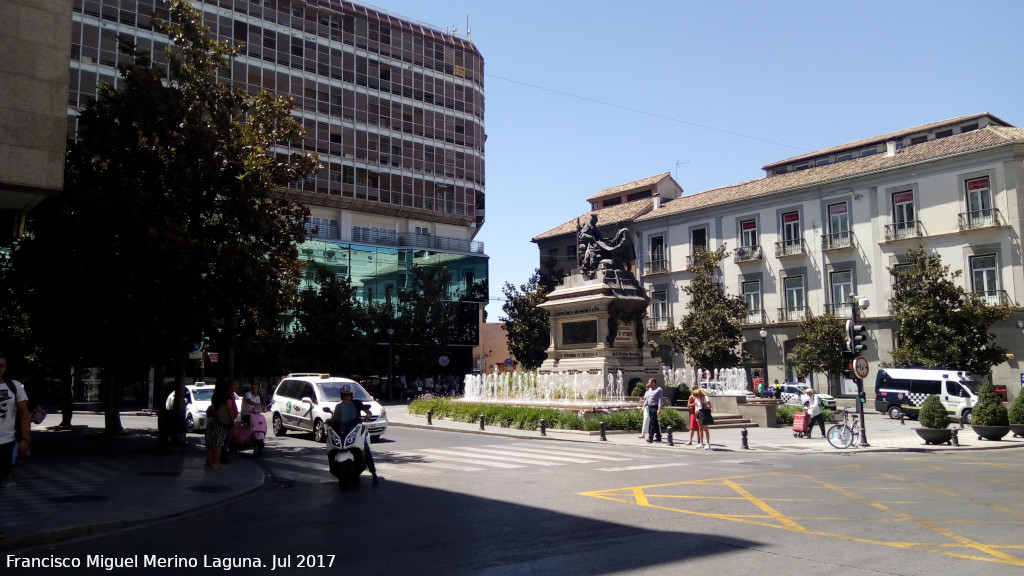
[(579, 332)]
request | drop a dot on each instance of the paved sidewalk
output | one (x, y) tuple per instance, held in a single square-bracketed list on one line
[(82, 482)]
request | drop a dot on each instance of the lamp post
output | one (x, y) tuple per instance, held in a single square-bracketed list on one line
[(391, 363), (764, 353)]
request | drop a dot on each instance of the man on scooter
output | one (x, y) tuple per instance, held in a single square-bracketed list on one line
[(251, 403), (347, 415)]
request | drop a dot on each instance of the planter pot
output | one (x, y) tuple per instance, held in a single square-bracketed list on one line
[(935, 435), (991, 432), (1017, 429)]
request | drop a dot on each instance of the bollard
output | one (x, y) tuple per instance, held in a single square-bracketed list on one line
[(956, 441), (543, 427), (743, 439), (430, 416), (902, 423), (669, 430), (603, 437), (481, 421)]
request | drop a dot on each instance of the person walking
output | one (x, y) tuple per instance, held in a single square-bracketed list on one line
[(691, 407), (704, 418), (15, 423), (218, 425), (652, 406), (815, 412)]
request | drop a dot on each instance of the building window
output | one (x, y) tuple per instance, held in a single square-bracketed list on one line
[(979, 202), (698, 237), (323, 228), (842, 287), (794, 289), (903, 214), (838, 226), (659, 308), (791, 242), (983, 277), (570, 254), (748, 233), (656, 255), (752, 297)]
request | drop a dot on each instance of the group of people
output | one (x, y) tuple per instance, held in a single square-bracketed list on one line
[(771, 391), (221, 415), (440, 386), (698, 406)]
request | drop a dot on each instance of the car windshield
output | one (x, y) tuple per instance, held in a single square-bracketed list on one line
[(203, 394), (332, 392), (971, 385)]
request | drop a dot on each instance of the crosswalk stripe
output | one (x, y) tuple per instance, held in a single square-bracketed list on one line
[(536, 455), (570, 452), (429, 464), (487, 460)]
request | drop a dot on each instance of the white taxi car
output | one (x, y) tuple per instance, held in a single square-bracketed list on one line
[(794, 396), (305, 402), (197, 400)]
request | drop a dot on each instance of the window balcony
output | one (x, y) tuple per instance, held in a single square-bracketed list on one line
[(903, 230), (790, 248), (658, 324), (755, 318), (747, 254), (837, 240), (994, 297), (792, 313), (841, 310), (659, 266), (990, 218)]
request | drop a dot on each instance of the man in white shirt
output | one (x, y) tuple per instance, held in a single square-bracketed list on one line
[(815, 412), (251, 403), (13, 405)]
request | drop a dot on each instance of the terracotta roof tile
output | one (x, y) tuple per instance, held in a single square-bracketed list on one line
[(618, 190), (619, 214)]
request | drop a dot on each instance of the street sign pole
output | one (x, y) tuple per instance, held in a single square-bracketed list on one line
[(859, 381)]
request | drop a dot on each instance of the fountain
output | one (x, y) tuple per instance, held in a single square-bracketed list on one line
[(551, 389)]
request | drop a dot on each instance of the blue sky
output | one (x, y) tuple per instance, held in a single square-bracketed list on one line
[(584, 95)]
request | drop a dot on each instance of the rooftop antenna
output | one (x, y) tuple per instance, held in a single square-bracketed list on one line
[(678, 162)]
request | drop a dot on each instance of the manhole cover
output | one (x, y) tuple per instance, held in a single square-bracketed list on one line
[(210, 489), (158, 473), (77, 499)]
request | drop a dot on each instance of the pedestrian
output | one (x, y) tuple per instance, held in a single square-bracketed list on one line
[(815, 411), (778, 389), (652, 405), (251, 402), (691, 407), (218, 425), (704, 418), (760, 389), (15, 423), (346, 416)]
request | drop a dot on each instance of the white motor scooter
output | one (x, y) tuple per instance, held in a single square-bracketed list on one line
[(346, 455)]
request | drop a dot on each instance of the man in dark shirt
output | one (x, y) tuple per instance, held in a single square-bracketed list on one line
[(347, 413)]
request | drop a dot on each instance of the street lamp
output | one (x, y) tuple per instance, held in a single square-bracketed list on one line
[(391, 363), (764, 355)]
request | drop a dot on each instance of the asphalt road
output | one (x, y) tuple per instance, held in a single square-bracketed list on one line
[(471, 504)]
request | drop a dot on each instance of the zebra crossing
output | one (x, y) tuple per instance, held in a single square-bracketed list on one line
[(397, 464)]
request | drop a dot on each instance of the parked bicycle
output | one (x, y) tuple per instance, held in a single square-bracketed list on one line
[(843, 434)]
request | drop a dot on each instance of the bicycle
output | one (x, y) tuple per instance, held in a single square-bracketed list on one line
[(843, 434)]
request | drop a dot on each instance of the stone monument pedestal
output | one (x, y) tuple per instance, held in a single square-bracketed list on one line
[(597, 326)]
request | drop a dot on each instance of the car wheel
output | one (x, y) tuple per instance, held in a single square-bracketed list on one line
[(895, 412), (318, 430), (190, 424), (968, 417), (257, 451), (278, 425)]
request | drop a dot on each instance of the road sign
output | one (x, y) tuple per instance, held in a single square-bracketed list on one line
[(860, 367), (443, 360), (508, 363)]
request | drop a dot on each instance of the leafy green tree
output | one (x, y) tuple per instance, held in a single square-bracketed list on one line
[(820, 347), (940, 324), (933, 414), (709, 335), (428, 314), (526, 323), (167, 227), (333, 333)]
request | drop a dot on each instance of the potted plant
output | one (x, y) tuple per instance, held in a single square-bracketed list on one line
[(1017, 416), (989, 418), (934, 422)]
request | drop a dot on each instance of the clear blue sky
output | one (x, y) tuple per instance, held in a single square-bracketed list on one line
[(584, 95)]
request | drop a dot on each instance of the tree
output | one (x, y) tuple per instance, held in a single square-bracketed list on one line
[(167, 226), (333, 334), (821, 345), (526, 323), (428, 315), (709, 335), (940, 324)]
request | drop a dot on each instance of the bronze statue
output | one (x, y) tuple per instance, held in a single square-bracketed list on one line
[(593, 253)]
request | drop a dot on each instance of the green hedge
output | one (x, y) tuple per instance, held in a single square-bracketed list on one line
[(528, 417)]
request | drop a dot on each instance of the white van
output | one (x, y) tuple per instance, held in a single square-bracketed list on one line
[(900, 391)]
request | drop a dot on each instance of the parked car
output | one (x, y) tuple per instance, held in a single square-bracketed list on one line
[(305, 402), (902, 391), (793, 394), (197, 400)]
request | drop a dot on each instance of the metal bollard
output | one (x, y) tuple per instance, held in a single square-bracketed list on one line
[(902, 423), (743, 440), (603, 437), (430, 416), (669, 430), (956, 441), (481, 421), (543, 426)]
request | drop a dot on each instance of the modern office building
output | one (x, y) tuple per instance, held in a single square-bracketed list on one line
[(824, 225), (393, 107)]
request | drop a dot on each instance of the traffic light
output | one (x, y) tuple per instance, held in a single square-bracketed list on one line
[(857, 338), (863, 398)]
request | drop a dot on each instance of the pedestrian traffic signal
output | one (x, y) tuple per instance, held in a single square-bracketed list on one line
[(857, 338), (863, 398)]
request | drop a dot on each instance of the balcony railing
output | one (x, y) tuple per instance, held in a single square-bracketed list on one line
[(755, 318), (903, 230), (989, 218), (792, 313), (747, 254), (365, 235), (994, 297), (841, 310), (790, 248), (658, 324), (656, 267), (837, 240)]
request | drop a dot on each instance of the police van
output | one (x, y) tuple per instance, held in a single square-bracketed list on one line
[(900, 391)]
